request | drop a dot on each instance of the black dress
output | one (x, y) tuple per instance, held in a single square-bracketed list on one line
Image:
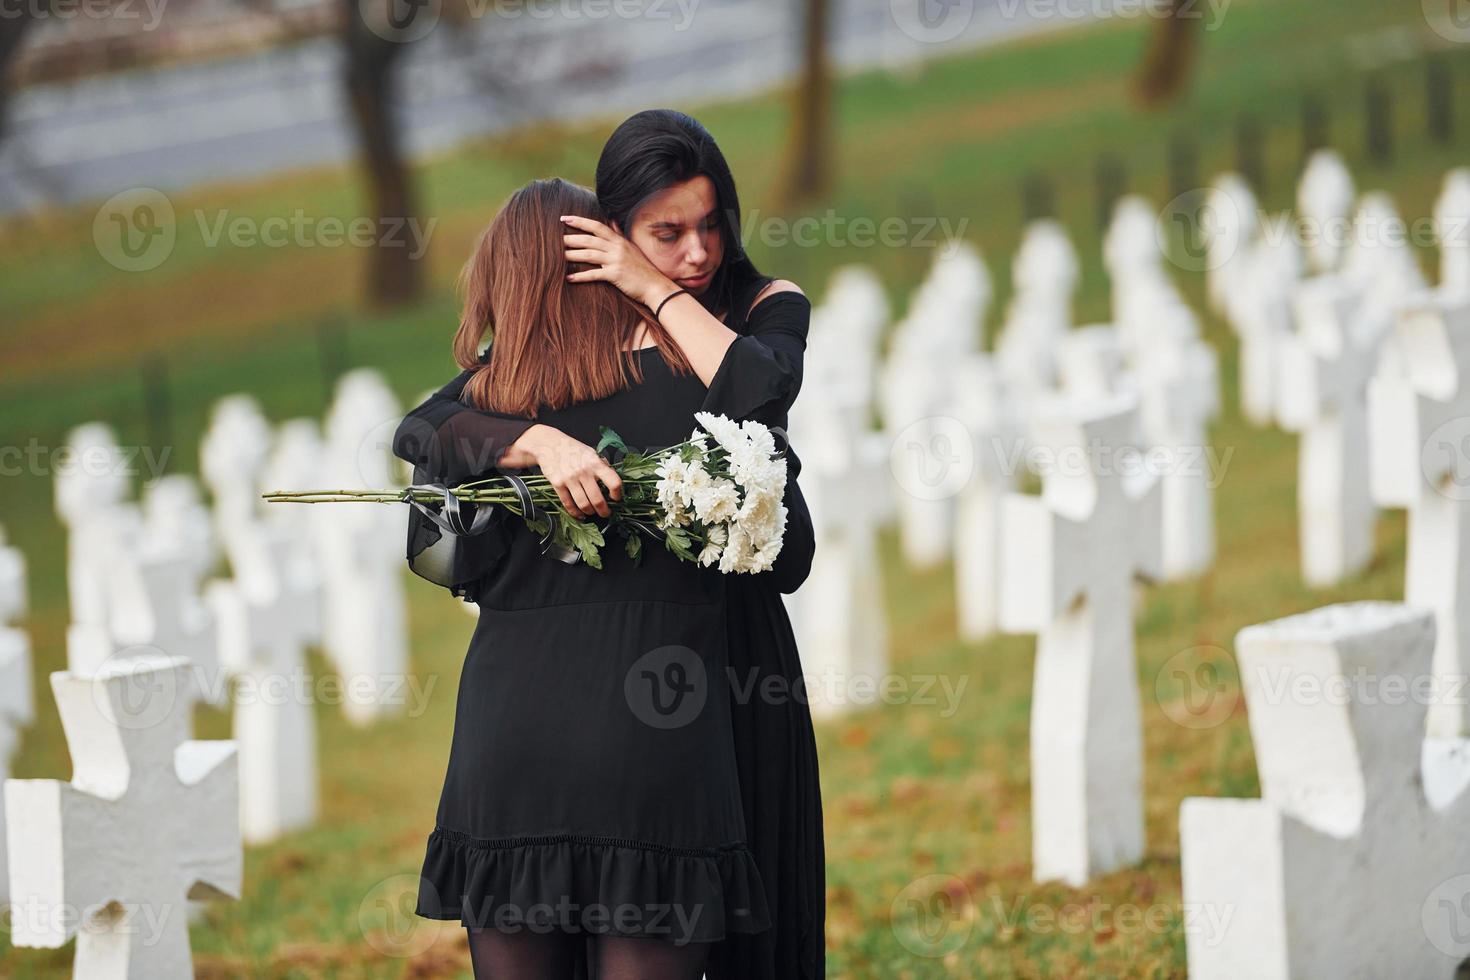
[(773, 742)]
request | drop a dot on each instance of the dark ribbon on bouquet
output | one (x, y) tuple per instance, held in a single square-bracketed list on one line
[(452, 519)]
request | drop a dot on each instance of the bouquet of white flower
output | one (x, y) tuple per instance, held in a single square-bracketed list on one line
[(714, 498)]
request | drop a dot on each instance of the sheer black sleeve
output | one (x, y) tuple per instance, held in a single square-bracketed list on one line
[(450, 442), (454, 442)]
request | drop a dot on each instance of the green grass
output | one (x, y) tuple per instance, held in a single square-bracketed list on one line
[(910, 791)]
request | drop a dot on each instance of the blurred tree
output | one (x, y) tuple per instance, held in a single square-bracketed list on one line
[(375, 35), (809, 163), (13, 28), (1169, 61)]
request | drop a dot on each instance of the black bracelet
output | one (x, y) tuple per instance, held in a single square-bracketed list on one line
[(659, 309)]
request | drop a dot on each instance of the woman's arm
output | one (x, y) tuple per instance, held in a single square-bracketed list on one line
[(453, 442), (760, 375)]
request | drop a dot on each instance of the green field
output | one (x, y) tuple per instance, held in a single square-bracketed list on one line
[(910, 791)]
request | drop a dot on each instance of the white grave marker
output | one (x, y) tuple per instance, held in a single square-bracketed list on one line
[(1355, 861), (1070, 557), (1419, 424), (1324, 370), (149, 820)]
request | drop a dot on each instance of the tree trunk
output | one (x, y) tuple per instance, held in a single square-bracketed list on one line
[(809, 168), (13, 30), (1169, 60), (394, 277)]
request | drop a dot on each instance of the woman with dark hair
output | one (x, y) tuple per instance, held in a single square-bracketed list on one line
[(591, 817), (671, 243)]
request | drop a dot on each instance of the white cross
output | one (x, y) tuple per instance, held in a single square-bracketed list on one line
[(149, 820), (1355, 861), (1420, 424), (1069, 559), (1178, 378), (169, 616), (266, 616), (17, 702), (983, 407), (1324, 370), (838, 612)]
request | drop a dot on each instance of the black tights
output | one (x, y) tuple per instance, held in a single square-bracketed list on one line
[(531, 955)]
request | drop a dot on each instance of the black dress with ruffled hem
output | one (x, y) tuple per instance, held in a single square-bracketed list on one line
[(703, 894), (773, 739)]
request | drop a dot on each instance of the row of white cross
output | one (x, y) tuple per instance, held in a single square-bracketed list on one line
[(1367, 363), (153, 821)]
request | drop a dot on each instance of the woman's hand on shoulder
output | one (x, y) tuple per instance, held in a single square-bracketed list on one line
[(573, 468), (614, 259)]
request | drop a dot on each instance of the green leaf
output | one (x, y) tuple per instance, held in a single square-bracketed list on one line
[(610, 438), (634, 546)]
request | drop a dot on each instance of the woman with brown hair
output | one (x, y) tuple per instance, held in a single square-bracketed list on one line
[(670, 241)]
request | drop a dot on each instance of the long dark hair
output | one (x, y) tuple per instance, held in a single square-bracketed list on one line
[(555, 343), (655, 149)]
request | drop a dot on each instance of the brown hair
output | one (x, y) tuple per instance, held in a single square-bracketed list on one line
[(555, 343)]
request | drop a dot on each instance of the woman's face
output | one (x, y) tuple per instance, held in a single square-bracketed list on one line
[(678, 229)]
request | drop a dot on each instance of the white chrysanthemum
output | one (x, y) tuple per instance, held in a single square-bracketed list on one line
[(696, 480), (672, 474), (762, 515), (765, 556), (723, 430), (710, 553), (738, 552), (717, 502)]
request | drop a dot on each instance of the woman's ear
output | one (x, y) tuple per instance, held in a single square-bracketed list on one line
[(616, 227)]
